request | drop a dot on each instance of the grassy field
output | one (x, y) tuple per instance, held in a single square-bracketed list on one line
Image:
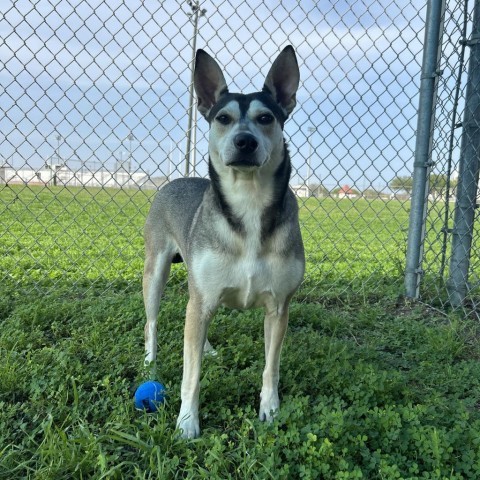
[(372, 387)]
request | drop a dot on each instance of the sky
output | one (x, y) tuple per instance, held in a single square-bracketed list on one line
[(80, 78)]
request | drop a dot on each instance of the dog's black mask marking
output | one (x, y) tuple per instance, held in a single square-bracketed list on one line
[(273, 215), (244, 103), (222, 203)]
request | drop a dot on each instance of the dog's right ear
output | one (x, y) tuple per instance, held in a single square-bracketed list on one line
[(283, 79), (209, 82)]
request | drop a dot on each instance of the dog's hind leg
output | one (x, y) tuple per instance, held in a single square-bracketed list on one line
[(276, 322), (155, 276)]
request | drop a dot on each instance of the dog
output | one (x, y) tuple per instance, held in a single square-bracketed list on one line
[(238, 232)]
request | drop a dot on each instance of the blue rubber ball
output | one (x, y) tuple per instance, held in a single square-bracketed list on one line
[(149, 395)]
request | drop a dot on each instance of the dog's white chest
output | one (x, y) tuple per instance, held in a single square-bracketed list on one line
[(245, 281), (248, 282)]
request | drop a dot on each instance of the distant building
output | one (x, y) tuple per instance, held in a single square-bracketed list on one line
[(347, 192), (372, 194), (64, 176), (401, 196), (156, 182), (21, 176), (301, 191)]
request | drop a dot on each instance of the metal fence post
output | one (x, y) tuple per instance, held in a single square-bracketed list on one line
[(467, 189), (423, 146)]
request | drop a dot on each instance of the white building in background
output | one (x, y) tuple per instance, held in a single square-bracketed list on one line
[(64, 176), (301, 191)]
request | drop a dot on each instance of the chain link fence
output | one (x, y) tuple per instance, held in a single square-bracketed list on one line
[(449, 259), (96, 114)]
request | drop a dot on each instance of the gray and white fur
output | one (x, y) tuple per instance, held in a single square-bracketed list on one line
[(238, 232)]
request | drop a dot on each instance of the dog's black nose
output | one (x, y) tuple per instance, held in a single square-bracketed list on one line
[(245, 142)]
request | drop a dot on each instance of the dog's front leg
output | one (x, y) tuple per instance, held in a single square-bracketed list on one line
[(276, 321), (196, 325)]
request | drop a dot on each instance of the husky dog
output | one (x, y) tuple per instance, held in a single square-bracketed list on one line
[(238, 232)]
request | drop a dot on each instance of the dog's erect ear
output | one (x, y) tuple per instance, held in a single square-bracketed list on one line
[(208, 80), (283, 79)]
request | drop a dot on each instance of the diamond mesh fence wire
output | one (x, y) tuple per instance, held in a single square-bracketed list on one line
[(446, 203), (95, 113)]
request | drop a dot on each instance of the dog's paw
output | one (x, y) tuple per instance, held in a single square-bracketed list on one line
[(150, 368), (188, 426), (269, 406), (208, 350), (210, 353)]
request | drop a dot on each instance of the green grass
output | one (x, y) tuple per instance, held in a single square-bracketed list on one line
[(372, 387)]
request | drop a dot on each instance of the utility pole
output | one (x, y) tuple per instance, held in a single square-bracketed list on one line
[(130, 138), (194, 15), (309, 159), (56, 166)]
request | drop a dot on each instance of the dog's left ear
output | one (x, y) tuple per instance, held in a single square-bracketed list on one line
[(283, 79), (208, 81)]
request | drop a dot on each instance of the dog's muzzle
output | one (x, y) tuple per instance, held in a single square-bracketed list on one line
[(245, 147)]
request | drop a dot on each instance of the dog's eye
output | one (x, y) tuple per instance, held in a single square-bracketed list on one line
[(223, 119), (265, 119)]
